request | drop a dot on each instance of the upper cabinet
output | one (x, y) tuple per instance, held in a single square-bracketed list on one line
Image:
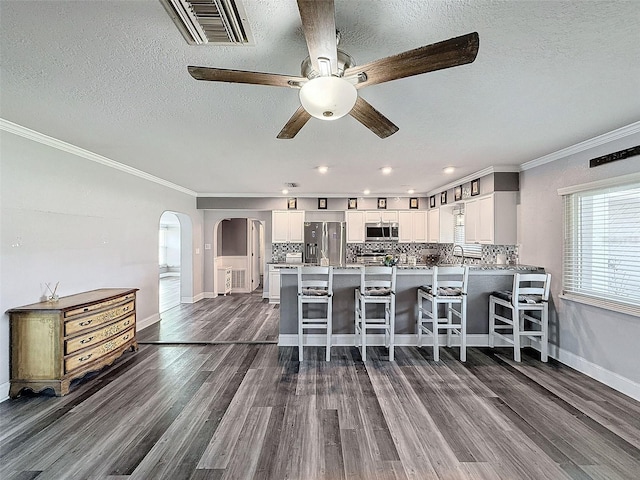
[(491, 219), (385, 216), (412, 226), (440, 225), (355, 226), (287, 226)]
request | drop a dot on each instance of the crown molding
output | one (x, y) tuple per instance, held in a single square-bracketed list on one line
[(583, 146), (473, 176), (25, 132)]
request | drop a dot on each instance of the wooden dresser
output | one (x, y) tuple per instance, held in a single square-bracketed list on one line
[(53, 343)]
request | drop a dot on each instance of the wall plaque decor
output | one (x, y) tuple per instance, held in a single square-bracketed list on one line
[(443, 198), (292, 203), (322, 204), (352, 204), (612, 157), (413, 202), (457, 193), (475, 187), (432, 201)]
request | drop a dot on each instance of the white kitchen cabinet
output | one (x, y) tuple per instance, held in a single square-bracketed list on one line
[(440, 225), (412, 226), (355, 226), (224, 280), (491, 219), (385, 216), (274, 284), (287, 226)]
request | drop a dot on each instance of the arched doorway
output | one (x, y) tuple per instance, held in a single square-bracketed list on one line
[(239, 244), (175, 262)]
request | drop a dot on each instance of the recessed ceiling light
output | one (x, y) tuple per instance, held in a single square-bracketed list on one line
[(323, 169), (285, 191), (386, 170), (449, 170), (367, 192), (411, 190)]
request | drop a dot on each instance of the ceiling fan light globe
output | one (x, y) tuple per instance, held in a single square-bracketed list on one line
[(328, 98)]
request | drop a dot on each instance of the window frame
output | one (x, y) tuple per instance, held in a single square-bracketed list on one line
[(570, 291)]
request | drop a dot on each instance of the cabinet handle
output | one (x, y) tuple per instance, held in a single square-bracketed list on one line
[(86, 340), (87, 357), (84, 324)]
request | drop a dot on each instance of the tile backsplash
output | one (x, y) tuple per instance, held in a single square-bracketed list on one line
[(445, 251)]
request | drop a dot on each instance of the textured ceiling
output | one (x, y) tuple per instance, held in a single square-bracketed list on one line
[(111, 77)]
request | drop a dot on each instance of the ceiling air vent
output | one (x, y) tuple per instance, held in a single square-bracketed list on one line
[(215, 22)]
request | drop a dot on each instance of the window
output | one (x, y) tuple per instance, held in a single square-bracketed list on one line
[(601, 263), (472, 250)]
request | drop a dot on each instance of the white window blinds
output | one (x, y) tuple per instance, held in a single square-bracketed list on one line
[(602, 246), (470, 250)]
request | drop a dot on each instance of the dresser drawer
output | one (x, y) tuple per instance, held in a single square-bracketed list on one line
[(92, 338), (78, 360), (77, 325), (98, 306)]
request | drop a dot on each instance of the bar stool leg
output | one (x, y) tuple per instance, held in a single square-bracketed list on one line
[(392, 328), (492, 322), (329, 328), (300, 333), (517, 319), (463, 329), (363, 329), (545, 334), (434, 323), (449, 306), (419, 320)]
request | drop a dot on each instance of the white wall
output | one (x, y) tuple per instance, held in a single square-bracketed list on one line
[(605, 343), (65, 218)]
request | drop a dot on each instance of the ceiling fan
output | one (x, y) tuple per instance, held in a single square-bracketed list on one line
[(330, 78)]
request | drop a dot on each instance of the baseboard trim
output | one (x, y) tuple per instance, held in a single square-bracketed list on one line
[(195, 299), (4, 391), (601, 374), (401, 340), (209, 295), (141, 324)]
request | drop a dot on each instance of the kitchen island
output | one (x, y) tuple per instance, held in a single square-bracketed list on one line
[(483, 279)]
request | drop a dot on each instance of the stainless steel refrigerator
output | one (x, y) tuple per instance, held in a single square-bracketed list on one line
[(325, 243)]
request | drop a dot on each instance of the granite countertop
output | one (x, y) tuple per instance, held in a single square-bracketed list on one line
[(472, 267)]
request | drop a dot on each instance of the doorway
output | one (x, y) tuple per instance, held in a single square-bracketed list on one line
[(239, 245), (169, 262)]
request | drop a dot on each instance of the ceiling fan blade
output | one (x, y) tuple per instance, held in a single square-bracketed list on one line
[(319, 25), (295, 123), (242, 76), (445, 54), (372, 119)]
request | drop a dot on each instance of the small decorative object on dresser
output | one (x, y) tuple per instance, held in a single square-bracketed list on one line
[(54, 343), (413, 203)]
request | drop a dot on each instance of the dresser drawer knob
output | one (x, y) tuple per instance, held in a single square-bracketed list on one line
[(86, 357), (84, 324), (125, 308), (86, 340), (126, 337), (127, 323)]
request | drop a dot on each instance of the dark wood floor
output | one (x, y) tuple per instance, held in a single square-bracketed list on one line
[(169, 292), (253, 411)]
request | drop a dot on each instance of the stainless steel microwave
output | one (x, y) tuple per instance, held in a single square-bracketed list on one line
[(381, 232)]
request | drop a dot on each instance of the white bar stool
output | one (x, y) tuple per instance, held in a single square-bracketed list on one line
[(315, 286), (530, 294), (448, 287), (377, 287)]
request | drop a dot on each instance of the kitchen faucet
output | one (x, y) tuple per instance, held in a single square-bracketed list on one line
[(461, 250)]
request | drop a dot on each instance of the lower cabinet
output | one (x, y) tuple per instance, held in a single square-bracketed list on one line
[(53, 343), (224, 280), (274, 284)]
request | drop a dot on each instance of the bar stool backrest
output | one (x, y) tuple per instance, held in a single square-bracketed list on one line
[(315, 281), (530, 288), (450, 279), (377, 280)]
